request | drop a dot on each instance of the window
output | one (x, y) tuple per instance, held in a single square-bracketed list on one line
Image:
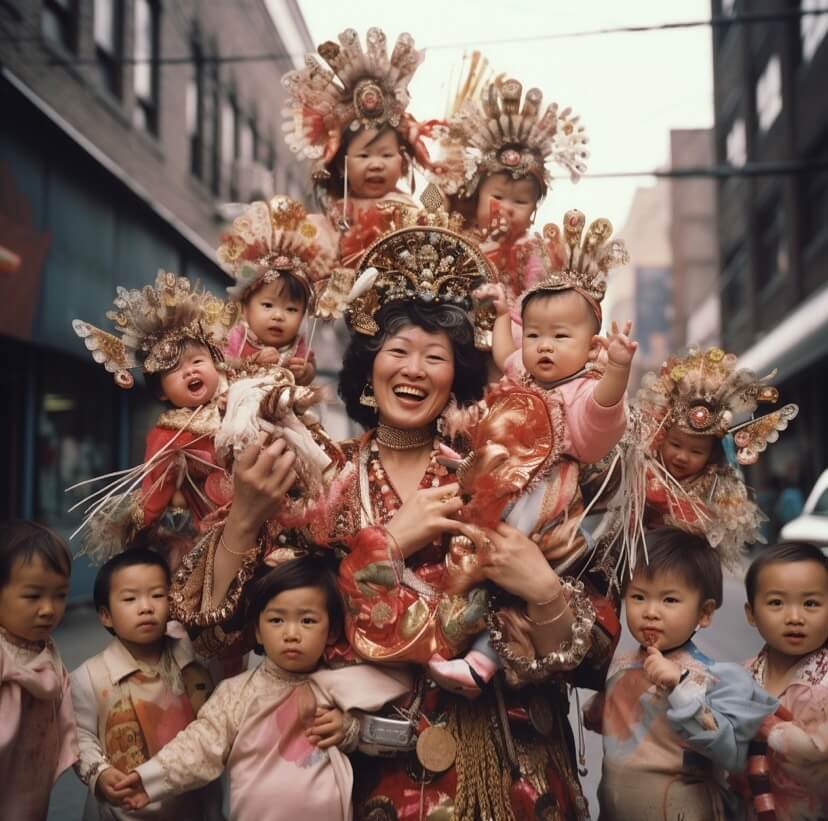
[(215, 141), (733, 283), (769, 93), (773, 251), (735, 144), (814, 196), (107, 30), (59, 23), (194, 112), (813, 27), (145, 75), (229, 147), (247, 141)]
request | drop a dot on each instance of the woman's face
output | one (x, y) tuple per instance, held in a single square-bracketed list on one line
[(412, 376)]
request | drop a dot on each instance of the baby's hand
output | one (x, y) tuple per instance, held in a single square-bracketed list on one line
[(267, 356), (618, 345), (328, 728), (131, 786), (661, 671), (303, 370), (107, 786), (494, 292)]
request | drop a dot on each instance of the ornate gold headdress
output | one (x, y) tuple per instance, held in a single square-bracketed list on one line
[(703, 393), (360, 89), (154, 324), (497, 134), (586, 263), (429, 262), (271, 238)]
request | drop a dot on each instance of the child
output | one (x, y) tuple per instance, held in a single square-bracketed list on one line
[(548, 416), (351, 121), (495, 173), (273, 255), (143, 689), (672, 720), (172, 331), (787, 602), (38, 737), (683, 418), (278, 729)]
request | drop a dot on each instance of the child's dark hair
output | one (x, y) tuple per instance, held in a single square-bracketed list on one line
[(22, 540), (296, 290), (670, 550), (537, 296), (313, 570), (153, 380), (783, 553), (131, 557)]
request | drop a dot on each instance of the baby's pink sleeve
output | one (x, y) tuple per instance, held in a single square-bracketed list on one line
[(235, 341), (594, 430), (513, 366)]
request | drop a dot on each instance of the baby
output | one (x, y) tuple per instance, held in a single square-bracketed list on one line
[(552, 413), (672, 720), (280, 730), (39, 739), (140, 691), (787, 602), (173, 332), (274, 257)]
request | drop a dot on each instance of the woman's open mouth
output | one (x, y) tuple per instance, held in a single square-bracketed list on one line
[(410, 392)]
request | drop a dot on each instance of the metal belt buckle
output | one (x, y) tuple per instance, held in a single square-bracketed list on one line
[(383, 736)]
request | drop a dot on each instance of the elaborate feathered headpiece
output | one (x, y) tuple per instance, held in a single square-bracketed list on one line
[(429, 262), (587, 259), (271, 238), (498, 134), (360, 89), (154, 323), (703, 393)]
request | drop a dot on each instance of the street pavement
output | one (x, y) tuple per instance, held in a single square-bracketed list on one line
[(729, 638)]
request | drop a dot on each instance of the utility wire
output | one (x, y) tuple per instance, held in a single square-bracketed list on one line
[(760, 169), (714, 22)]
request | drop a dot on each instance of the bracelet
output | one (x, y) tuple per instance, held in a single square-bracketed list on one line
[(554, 618), (549, 601), (223, 546)]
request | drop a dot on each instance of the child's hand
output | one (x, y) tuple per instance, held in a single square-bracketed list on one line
[(328, 728), (108, 786), (661, 671), (135, 797), (618, 345), (303, 371), (267, 356), (494, 292)]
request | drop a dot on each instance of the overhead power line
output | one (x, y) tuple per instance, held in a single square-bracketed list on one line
[(714, 22), (759, 169)]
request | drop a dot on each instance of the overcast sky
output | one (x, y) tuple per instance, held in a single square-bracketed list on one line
[(630, 89)]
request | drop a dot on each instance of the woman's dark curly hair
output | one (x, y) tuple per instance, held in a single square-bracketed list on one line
[(358, 362)]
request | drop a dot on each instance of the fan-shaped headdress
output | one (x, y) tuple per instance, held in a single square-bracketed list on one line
[(499, 134), (269, 239), (429, 262), (360, 88), (154, 324), (703, 393), (587, 258)]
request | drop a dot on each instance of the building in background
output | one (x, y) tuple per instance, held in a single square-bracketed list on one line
[(125, 127), (694, 242), (770, 107)]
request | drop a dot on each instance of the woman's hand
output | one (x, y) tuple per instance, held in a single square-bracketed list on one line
[(424, 516), (514, 562)]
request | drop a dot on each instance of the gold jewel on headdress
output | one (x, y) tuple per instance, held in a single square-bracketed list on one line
[(359, 89), (269, 239), (155, 322), (703, 393), (497, 134), (427, 262), (585, 264)]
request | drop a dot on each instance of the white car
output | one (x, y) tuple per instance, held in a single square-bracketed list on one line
[(812, 524)]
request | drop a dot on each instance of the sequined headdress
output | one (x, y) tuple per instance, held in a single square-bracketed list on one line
[(429, 262), (269, 239), (587, 258), (154, 324), (499, 134), (360, 88), (703, 393)]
